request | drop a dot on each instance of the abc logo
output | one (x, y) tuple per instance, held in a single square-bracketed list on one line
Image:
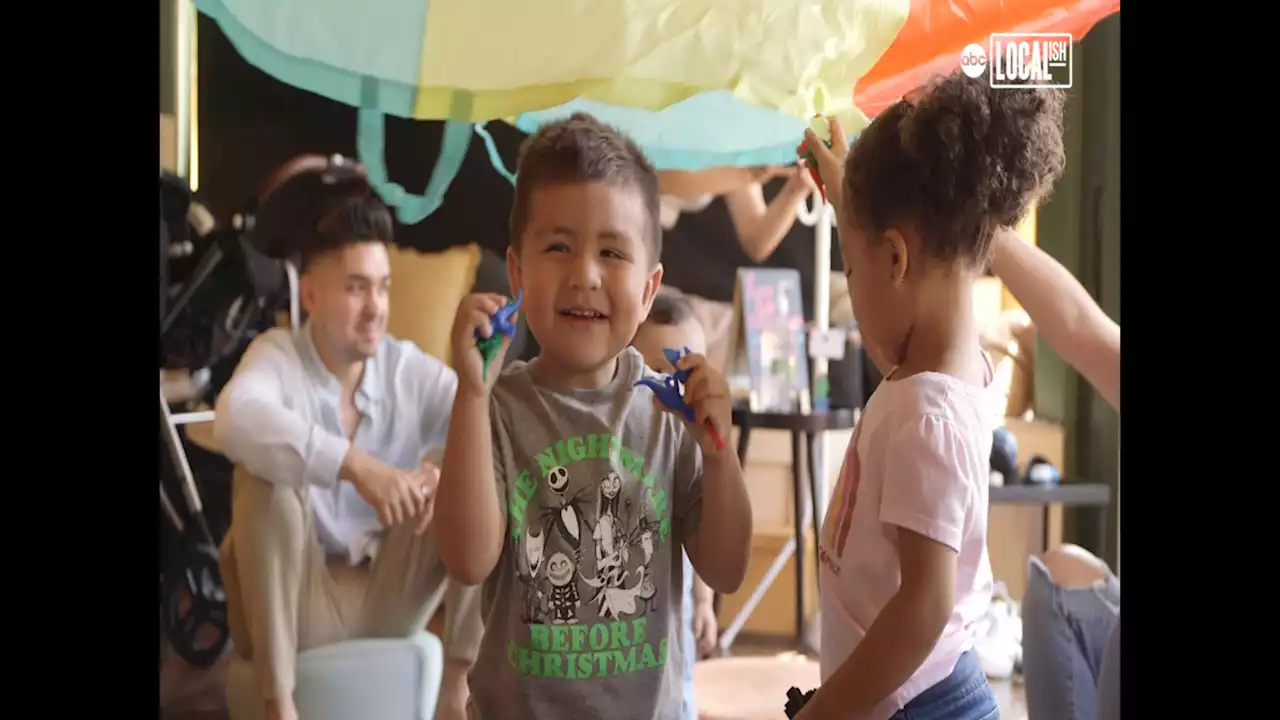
[(973, 60)]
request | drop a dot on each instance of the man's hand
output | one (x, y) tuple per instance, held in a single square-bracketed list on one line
[(830, 160), (397, 495), (474, 313), (705, 629), (707, 393)]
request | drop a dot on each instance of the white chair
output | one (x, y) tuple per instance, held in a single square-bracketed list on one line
[(370, 679)]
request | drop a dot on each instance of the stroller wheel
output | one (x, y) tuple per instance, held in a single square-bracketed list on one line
[(195, 606)]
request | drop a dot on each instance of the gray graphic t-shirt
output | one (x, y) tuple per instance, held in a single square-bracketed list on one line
[(583, 611)]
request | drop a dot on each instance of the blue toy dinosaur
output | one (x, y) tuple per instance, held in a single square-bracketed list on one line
[(502, 325), (673, 357), (670, 392)]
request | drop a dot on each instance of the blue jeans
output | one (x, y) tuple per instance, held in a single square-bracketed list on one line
[(962, 695), (1071, 648), (1109, 683), (690, 646)]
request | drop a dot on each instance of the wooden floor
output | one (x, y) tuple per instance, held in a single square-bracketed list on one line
[(1010, 695), (1011, 698), (190, 694)]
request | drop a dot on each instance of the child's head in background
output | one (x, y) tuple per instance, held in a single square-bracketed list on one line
[(926, 186), (585, 244), (671, 324)]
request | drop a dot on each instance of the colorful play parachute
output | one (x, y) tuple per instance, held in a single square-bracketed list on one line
[(476, 60), (717, 129), (699, 83)]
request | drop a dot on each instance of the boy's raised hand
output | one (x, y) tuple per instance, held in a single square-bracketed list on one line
[(830, 159), (474, 313), (707, 392)]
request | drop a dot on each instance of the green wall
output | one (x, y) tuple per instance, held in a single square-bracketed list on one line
[(1080, 226)]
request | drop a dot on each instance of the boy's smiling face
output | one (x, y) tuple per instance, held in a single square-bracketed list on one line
[(586, 265)]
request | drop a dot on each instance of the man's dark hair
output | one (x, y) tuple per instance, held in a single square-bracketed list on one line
[(669, 309), (357, 218), (578, 149), (958, 161), (317, 211)]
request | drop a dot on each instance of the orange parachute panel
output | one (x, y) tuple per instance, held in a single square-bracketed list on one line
[(937, 30)]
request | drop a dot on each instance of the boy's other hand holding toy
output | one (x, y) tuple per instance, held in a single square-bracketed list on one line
[(706, 397), (482, 332)]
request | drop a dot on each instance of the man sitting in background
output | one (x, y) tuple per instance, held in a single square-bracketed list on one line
[(672, 324), (330, 427)]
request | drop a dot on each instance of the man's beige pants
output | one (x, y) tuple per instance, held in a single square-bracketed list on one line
[(284, 596)]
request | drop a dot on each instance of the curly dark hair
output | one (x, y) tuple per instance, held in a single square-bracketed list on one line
[(581, 148), (960, 161)]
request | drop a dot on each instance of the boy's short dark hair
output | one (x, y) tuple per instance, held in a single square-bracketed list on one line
[(669, 309), (581, 148)]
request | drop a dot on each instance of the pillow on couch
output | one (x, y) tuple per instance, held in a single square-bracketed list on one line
[(425, 291)]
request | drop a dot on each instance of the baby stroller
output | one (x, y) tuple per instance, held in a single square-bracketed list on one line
[(192, 600), (216, 298), (216, 293)]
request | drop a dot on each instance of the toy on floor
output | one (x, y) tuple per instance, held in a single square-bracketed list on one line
[(796, 701), (502, 325), (670, 392), (820, 127)]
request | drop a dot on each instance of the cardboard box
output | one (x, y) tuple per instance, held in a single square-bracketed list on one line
[(768, 473), (769, 482), (775, 615), (1016, 532)]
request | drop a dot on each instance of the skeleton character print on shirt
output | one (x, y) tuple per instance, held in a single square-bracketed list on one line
[(591, 527), (537, 586), (562, 603)]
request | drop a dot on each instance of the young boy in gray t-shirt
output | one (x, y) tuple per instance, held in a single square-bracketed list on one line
[(565, 488)]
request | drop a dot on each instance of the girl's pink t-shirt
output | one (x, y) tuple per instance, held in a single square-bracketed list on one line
[(919, 459)]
